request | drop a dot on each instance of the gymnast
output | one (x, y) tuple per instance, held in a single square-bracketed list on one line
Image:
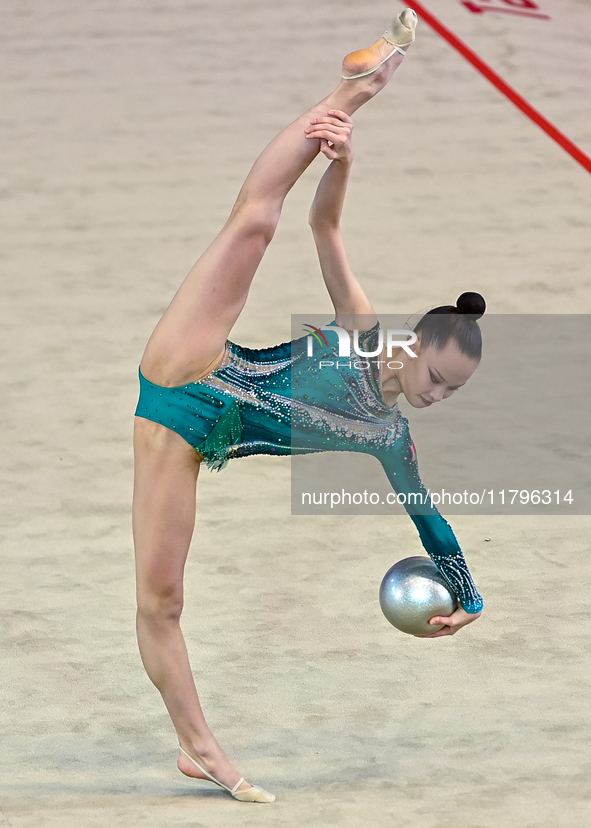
[(206, 399)]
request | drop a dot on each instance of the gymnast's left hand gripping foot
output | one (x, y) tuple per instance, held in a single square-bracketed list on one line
[(184, 362)]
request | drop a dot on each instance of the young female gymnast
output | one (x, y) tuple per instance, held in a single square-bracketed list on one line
[(204, 398)]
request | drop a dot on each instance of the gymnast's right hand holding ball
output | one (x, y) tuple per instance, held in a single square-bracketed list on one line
[(452, 623), (417, 600)]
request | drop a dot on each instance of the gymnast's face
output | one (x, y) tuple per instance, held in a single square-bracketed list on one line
[(434, 375)]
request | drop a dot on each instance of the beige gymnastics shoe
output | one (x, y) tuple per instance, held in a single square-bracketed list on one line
[(252, 794), (401, 33)]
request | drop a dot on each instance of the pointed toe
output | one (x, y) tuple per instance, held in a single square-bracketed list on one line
[(254, 794), (401, 33), (402, 30)]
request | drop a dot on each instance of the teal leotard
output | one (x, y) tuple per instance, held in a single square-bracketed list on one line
[(280, 401)]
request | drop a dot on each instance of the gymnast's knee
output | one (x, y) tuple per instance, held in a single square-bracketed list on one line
[(160, 605), (255, 217)]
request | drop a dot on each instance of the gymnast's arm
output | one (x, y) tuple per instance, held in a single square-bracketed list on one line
[(436, 534), (346, 293)]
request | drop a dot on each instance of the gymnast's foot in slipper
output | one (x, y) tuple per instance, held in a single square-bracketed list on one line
[(218, 765), (365, 62)]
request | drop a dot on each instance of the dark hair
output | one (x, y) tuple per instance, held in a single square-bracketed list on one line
[(457, 322)]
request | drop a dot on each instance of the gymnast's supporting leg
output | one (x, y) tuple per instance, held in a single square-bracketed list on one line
[(190, 337)]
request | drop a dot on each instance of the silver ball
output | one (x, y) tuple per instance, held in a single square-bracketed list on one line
[(412, 591)]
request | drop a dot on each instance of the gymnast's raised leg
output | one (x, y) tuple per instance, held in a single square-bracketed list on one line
[(186, 344), (190, 337)]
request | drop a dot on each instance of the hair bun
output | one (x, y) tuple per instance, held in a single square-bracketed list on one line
[(472, 304)]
